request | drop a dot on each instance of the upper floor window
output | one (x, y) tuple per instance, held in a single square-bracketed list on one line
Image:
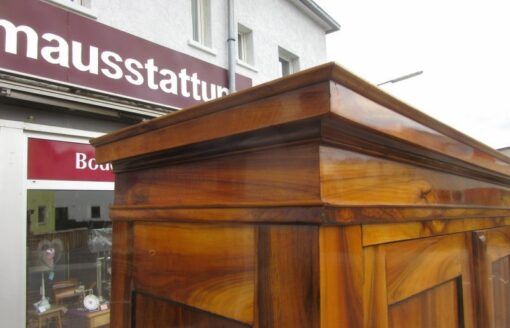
[(201, 19), (245, 44), (84, 3), (82, 7), (288, 62)]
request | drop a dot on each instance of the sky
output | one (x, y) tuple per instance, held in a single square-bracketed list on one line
[(462, 47)]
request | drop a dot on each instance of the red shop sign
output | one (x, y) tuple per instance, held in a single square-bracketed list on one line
[(59, 160), (38, 39)]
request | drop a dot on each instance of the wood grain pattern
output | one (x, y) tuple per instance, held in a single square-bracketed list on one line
[(209, 267), (152, 312), (389, 232), (283, 174), (375, 298), (349, 178), (312, 212), (406, 213), (419, 265), (409, 272), (350, 96), (313, 201), (492, 256), (437, 307), (122, 267), (372, 115), (305, 103), (288, 276), (341, 273)]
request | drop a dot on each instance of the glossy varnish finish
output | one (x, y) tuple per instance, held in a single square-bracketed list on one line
[(208, 267), (410, 276), (312, 201), (257, 177)]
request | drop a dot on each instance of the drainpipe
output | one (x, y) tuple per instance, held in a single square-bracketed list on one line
[(231, 41)]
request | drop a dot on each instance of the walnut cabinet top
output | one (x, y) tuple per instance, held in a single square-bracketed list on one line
[(321, 140)]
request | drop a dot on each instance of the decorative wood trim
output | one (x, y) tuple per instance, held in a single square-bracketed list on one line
[(297, 213), (390, 232)]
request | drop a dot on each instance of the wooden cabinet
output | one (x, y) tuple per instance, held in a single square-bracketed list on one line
[(312, 201)]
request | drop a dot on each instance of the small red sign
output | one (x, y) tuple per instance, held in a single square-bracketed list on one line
[(60, 160)]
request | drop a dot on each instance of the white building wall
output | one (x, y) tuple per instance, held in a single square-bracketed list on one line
[(273, 22), (13, 226)]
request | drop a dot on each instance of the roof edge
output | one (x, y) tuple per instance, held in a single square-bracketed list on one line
[(317, 12)]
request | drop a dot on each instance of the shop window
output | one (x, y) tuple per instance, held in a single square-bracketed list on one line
[(288, 62), (245, 44), (201, 20), (68, 259)]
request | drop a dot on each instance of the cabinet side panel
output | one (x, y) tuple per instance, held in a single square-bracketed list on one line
[(207, 267), (287, 174), (437, 307)]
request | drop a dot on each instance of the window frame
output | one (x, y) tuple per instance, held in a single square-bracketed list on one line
[(290, 58), (245, 49), (201, 36), (80, 7)]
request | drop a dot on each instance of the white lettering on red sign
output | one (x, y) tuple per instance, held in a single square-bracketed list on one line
[(57, 51), (83, 163)]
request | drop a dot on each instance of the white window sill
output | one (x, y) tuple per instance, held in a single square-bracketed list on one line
[(247, 66), (73, 7), (202, 47)]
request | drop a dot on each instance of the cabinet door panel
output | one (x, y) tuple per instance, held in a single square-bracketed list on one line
[(501, 287), (492, 263), (419, 283), (431, 308)]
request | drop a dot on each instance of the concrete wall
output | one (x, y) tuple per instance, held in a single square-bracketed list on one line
[(273, 22)]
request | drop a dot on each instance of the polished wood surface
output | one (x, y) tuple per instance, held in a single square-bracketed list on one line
[(330, 79), (257, 177), (155, 312), (288, 276), (208, 267), (341, 272), (356, 179), (437, 307), (405, 277), (374, 234), (122, 275), (312, 201)]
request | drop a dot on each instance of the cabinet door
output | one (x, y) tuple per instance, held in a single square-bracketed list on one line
[(419, 283), (492, 265)]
